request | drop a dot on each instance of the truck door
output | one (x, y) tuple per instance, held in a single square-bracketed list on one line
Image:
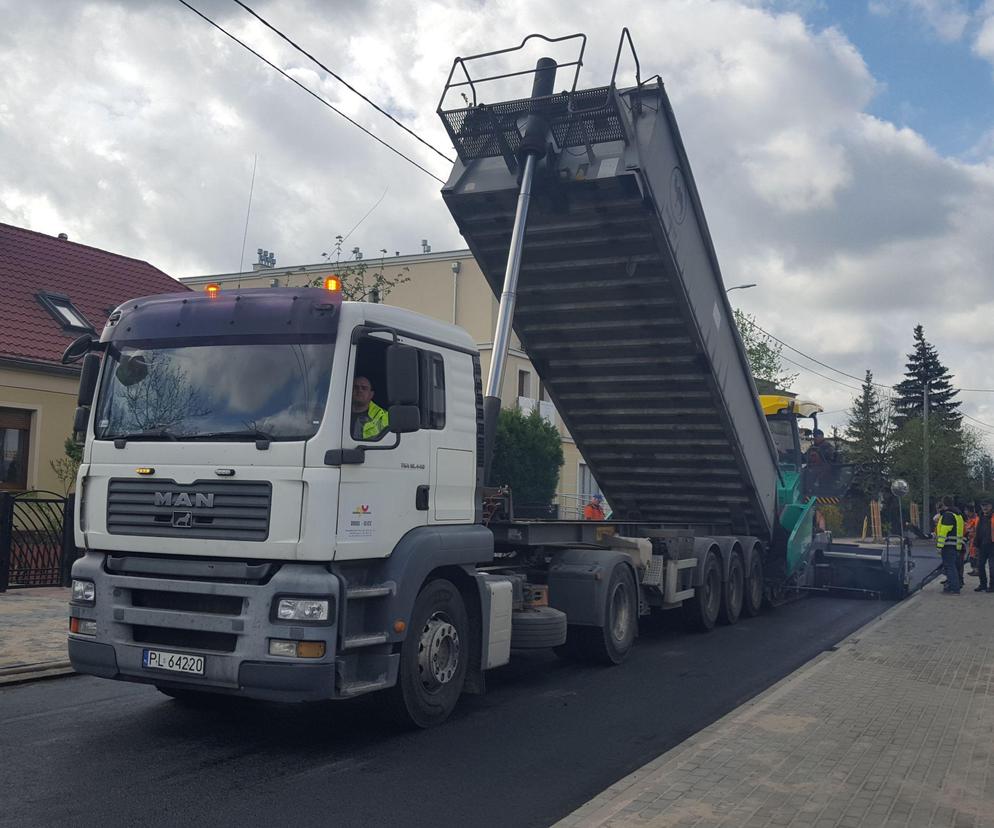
[(448, 385), (386, 495)]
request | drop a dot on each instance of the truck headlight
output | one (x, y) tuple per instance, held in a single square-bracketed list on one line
[(83, 592), (302, 609)]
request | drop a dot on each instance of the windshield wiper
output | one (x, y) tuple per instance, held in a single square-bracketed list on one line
[(262, 438), (120, 440)]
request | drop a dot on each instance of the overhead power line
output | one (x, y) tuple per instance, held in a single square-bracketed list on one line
[(310, 92), (845, 374), (341, 80), (819, 374)]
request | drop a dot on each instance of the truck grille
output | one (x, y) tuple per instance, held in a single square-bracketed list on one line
[(212, 509)]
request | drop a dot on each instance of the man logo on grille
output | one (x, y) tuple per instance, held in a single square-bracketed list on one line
[(182, 520), (200, 500)]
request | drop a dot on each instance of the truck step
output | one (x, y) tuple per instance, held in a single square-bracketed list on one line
[(353, 642), (357, 688), (375, 591)]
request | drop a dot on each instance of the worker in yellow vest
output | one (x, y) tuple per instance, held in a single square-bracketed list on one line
[(369, 421), (950, 535)]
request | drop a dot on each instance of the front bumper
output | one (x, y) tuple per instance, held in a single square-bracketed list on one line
[(228, 623)]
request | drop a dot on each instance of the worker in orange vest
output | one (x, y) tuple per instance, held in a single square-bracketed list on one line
[(593, 510), (984, 541), (970, 527)]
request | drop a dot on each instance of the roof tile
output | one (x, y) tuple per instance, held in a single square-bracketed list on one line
[(95, 281)]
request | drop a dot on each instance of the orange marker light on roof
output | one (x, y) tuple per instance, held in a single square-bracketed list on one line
[(333, 283), (212, 290)]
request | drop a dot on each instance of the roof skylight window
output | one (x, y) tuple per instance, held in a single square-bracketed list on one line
[(64, 312)]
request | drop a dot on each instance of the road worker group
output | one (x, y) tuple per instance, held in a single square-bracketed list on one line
[(962, 534)]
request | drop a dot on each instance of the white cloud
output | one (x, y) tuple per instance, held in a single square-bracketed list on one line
[(948, 19), (133, 127), (983, 41)]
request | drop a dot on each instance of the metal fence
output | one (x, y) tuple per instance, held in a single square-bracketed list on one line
[(36, 539)]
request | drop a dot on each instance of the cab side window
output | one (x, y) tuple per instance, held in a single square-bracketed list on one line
[(432, 390)]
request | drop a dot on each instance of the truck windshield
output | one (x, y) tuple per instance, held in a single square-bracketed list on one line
[(244, 391)]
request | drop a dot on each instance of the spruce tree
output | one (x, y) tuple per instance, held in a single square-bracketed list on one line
[(923, 366), (868, 434)]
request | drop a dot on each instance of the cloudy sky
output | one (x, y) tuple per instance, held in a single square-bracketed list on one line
[(844, 149)]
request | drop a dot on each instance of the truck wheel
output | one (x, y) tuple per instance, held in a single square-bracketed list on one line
[(733, 590), (752, 599), (609, 644), (537, 628), (701, 611), (433, 657)]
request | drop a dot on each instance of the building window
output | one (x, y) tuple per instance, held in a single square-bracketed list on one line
[(64, 312), (524, 384), (15, 433)]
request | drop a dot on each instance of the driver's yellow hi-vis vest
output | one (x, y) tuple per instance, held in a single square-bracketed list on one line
[(943, 537), (377, 423)]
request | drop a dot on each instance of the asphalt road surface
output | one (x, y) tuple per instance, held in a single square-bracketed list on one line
[(547, 737)]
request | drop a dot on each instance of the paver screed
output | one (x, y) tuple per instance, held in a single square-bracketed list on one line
[(893, 728)]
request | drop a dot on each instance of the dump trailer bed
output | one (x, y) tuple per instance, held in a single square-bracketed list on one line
[(620, 303)]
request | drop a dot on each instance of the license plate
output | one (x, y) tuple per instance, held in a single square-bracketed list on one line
[(174, 662)]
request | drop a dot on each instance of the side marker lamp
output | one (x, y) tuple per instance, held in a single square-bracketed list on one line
[(144, 470)]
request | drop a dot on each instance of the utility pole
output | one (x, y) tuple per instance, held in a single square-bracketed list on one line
[(926, 514)]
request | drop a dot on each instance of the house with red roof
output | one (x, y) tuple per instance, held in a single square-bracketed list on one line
[(52, 291)]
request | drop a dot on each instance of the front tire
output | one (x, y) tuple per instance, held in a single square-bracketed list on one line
[(433, 657)]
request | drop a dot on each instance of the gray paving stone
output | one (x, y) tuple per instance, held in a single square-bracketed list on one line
[(894, 728)]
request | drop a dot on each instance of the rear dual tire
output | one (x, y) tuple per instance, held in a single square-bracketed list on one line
[(733, 590), (752, 599), (611, 643)]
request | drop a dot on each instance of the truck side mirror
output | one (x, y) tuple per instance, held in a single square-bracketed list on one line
[(404, 418), (88, 379), (403, 383), (79, 423), (77, 349)]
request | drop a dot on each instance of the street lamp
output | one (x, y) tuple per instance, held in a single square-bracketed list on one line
[(900, 488), (740, 287)]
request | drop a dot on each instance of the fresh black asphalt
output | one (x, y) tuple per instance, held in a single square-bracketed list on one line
[(547, 737)]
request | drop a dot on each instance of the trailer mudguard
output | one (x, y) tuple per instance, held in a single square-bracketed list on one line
[(578, 582), (701, 547)]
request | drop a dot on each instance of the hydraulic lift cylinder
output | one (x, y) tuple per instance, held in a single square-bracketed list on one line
[(534, 143)]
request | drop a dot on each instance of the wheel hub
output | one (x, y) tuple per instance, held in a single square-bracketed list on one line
[(438, 652)]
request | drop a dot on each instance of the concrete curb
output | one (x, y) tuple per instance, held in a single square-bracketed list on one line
[(25, 673)]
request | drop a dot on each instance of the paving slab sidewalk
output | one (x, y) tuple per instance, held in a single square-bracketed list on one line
[(34, 623), (895, 727)]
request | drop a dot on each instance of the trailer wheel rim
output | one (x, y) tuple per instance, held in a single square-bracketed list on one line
[(755, 585), (712, 591), (438, 652), (621, 612), (736, 589)]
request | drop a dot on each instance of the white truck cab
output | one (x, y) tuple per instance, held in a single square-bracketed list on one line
[(235, 528)]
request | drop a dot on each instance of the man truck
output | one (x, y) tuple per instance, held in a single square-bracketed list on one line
[(238, 539)]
